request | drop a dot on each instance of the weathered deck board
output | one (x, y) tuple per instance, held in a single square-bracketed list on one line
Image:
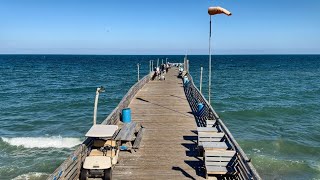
[(167, 150)]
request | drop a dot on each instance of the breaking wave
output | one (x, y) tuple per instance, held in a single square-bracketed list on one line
[(32, 176), (43, 142)]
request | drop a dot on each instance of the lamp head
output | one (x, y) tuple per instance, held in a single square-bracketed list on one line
[(100, 89)]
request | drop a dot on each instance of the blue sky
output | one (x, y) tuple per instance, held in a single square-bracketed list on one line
[(158, 27)]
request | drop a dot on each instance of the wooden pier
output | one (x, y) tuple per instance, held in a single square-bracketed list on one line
[(168, 148), (173, 134)]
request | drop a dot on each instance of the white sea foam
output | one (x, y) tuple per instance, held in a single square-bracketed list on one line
[(256, 150), (43, 142), (32, 176), (314, 165)]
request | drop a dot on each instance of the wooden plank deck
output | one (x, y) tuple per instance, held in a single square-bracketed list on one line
[(167, 150)]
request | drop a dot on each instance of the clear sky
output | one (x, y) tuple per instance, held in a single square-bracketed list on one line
[(158, 27)]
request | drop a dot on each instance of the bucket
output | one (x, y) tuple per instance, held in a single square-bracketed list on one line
[(200, 108), (126, 115)]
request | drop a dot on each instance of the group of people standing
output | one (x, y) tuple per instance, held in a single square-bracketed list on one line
[(159, 72)]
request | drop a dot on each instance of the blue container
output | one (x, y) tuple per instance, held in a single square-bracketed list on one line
[(185, 80), (126, 115), (123, 148), (200, 108)]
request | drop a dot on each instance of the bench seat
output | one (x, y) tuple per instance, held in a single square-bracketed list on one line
[(219, 162), (207, 129), (210, 123)]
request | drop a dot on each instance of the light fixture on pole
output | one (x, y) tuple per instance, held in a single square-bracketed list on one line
[(99, 90), (213, 11)]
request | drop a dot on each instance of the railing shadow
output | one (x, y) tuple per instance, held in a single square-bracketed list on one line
[(184, 114), (183, 172), (192, 151), (197, 166), (194, 99)]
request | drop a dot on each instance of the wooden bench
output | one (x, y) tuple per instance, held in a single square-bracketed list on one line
[(127, 131), (219, 162), (207, 129), (209, 137), (214, 146), (210, 123), (137, 141), (127, 135), (130, 135)]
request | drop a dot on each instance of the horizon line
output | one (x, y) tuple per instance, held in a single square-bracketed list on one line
[(92, 54)]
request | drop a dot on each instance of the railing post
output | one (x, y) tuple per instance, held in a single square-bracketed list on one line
[(201, 69), (209, 90), (187, 66), (138, 72), (152, 65), (79, 158), (149, 66), (158, 62)]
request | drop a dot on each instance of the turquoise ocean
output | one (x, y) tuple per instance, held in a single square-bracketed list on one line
[(270, 103)]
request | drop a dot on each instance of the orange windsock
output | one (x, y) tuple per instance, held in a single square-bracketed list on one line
[(218, 10)]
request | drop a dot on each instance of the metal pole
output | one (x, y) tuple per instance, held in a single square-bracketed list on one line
[(166, 60), (185, 64), (201, 69), (95, 107), (138, 72), (150, 66), (99, 90), (158, 62), (161, 61), (210, 64), (188, 65)]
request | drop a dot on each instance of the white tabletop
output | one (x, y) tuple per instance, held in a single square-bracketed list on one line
[(102, 131)]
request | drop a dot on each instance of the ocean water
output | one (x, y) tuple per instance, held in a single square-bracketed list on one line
[(270, 103)]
